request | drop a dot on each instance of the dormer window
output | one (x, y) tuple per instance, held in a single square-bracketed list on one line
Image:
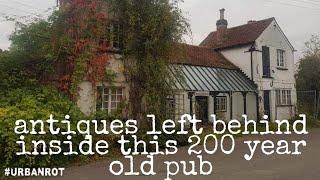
[(115, 35), (281, 58)]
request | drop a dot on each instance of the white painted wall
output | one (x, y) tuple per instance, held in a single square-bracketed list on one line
[(251, 106), (238, 106), (239, 57), (86, 100), (274, 38)]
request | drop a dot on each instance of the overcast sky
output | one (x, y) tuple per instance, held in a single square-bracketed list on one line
[(299, 19)]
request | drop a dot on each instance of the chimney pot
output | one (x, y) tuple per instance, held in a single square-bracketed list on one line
[(222, 25), (222, 13), (251, 21)]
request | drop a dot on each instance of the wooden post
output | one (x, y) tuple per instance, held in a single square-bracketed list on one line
[(258, 106), (214, 96), (231, 104), (318, 105), (190, 96), (244, 94)]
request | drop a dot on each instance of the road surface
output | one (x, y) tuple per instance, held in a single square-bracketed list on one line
[(226, 167)]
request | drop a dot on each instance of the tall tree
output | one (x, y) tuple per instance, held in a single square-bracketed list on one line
[(313, 46), (309, 66), (152, 28), (68, 42)]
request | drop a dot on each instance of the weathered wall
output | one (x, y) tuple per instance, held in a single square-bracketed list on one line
[(274, 38), (87, 93), (239, 57)]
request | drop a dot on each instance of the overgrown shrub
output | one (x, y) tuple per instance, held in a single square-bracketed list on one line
[(33, 103)]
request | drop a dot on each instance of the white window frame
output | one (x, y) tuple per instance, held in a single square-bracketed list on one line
[(114, 30), (111, 98), (221, 104), (179, 104), (281, 58), (171, 103), (284, 97)]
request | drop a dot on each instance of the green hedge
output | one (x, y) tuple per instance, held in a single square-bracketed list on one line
[(32, 104)]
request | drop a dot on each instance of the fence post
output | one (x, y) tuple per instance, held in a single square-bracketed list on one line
[(318, 107), (315, 105)]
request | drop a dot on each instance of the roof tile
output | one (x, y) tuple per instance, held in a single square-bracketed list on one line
[(202, 56), (239, 35)]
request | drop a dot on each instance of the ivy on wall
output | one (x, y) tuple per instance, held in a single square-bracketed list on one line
[(71, 45), (84, 24), (152, 29)]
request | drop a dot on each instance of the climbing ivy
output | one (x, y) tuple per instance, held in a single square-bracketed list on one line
[(83, 23), (73, 39), (152, 30), (69, 45)]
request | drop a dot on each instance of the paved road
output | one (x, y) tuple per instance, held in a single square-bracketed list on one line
[(228, 167)]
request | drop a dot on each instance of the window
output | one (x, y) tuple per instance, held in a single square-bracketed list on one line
[(171, 105), (266, 62), (283, 97), (109, 99), (281, 58), (114, 35), (179, 103), (221, 104), (176, 105), (278, 97), (289, 102)]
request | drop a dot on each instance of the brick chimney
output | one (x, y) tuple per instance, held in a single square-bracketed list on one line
[(251, 21), (222, 25)]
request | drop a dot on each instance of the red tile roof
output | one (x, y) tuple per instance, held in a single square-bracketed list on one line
[(240, 35), (202, 56)]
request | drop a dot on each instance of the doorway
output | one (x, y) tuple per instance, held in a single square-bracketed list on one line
[(202, 108), (266, 103)]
